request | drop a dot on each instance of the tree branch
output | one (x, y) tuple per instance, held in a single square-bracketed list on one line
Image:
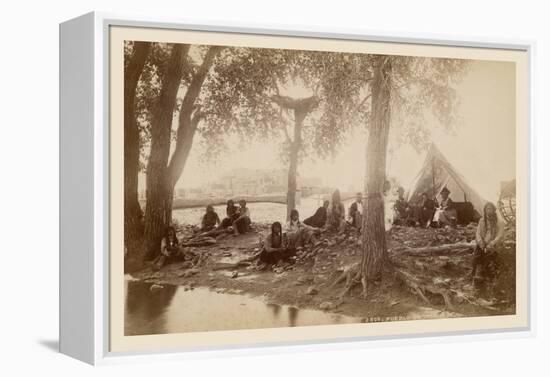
[(198, 115), (194, 88), (362, 102), (301, 104), (188, 122)]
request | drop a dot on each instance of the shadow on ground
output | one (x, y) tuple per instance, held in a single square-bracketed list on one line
[(52, 345)]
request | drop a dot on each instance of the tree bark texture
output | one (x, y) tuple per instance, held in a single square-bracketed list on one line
[(157, 180), (299, 116), (373, 229), (133, 215)]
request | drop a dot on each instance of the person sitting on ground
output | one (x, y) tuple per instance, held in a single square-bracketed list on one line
[(445, 214), (210, 219), (274, 247), (232, 213), (490, 231), (298, 234), (319, 219), (242, 223), (169, 247), (356, 211), (426, 210), (336, 214), (401, 209)]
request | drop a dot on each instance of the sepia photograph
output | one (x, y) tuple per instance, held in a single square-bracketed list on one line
[(267, 187)]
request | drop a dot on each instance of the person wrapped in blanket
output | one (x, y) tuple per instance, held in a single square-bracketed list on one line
[(242, 223), (232, 214), (489, 234), (275, 246), (319, 218), (210, 219), (336, 214), (169, 248)]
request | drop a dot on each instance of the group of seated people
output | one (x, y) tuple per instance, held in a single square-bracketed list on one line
[(428, 213), (489, 232), (282, 244), (332, 215), (295, 235), (237, 217)]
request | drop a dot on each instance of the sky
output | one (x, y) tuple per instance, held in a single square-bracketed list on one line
[(482, 149)]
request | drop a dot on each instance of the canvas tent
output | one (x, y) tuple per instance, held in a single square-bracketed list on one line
[(437, 173)]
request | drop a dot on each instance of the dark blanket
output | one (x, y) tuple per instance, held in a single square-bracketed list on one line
[(319, 219)]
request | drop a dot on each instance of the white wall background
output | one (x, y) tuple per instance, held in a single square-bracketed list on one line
[(29, 184)]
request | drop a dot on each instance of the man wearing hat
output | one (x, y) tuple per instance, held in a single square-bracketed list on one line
[(445, 214)]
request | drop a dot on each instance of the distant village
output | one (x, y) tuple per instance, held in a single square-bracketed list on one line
[(250, 182)]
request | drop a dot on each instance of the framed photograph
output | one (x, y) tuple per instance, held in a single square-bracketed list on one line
[(225, 187)]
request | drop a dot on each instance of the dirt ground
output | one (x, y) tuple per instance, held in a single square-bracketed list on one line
[(429, 274)]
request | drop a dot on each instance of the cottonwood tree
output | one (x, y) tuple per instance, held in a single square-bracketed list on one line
[(406, 89), (135, 56), (164, 168), (145, 66), (161, 127)]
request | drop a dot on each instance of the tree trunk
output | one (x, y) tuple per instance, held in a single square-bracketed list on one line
[(292, 184), (133, 215), (295, 145), (168, 203), (301, 107), (373, 229), (188, 120), (157, 175)]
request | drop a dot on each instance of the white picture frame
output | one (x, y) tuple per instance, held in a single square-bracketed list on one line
[(84, 185)]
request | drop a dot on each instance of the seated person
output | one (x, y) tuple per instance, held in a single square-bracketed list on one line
[(490, 231), (356, 211), (274, 247), (401, 209), (210, 219), (336, 214), (242, 223), (445, 214), (232, 213), (298, 234), (426, 210), (319, 219), (169, 247)]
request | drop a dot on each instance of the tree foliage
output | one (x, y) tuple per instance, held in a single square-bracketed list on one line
[(240, 96), (423, 92)]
